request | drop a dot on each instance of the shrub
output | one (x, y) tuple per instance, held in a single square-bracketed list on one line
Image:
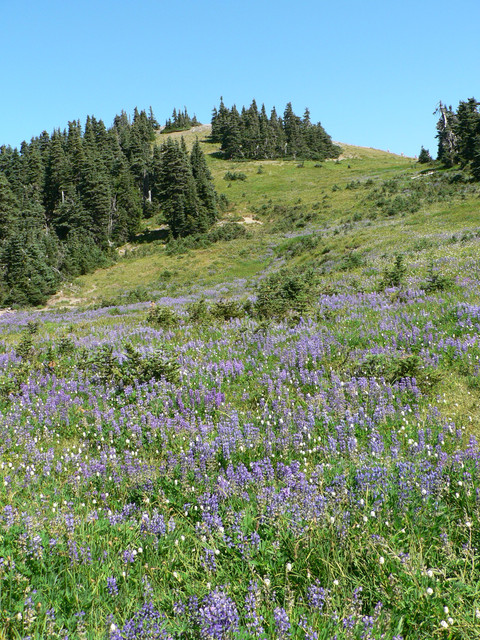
[(436, 281), (162, 316), (288, 290), (223, 203), (199, 311), (351, 261), (300, 244), (394, 277), (234, 175), (227, 309), (228, 231), (424, 156), (132, 368)]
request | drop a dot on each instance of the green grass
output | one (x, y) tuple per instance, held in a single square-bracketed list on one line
[(331, 202)]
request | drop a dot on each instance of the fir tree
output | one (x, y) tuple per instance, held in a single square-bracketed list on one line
[(232, 135), (177, 192), (204, 184), (424, 156), (467, 127), (9, 209)]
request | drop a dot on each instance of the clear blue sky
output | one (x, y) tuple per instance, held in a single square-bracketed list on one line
[(371, 71)]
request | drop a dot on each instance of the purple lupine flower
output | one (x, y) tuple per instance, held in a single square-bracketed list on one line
[(282, 623), (217, 615), (112, 586)]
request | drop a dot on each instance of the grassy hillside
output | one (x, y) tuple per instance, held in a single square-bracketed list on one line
[(363, 208), (283, 445), (276, 199)]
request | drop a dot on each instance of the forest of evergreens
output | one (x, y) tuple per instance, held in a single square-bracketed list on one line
[(251, 134), (67, 199), (458, 134), (180, 121)]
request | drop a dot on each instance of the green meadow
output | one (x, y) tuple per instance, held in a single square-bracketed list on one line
[(268, 431)]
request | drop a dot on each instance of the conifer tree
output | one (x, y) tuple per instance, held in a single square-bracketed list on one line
[(57, 173), (232, 135), (467, 128), (33, 169), (96, 200), (252, 135), (177, 192), (204, 184), (476, 158), (219, 122), (9, 208)]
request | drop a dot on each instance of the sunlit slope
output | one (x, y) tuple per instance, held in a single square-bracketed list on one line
[(338, 205)]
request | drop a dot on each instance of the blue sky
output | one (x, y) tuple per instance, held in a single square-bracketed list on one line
[(371, 71)]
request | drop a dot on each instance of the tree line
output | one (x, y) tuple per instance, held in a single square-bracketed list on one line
[(67, 199), (458, 134), (180, 121), (252, 134)]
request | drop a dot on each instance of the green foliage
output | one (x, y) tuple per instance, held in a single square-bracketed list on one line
[(204, 184), (223, 233), (286, 291), (435, 280), (298, 245), (424, 156), (252, 134), (134, 367), (404, 194), (184, 190), (199, 312), (234, 175), (397, 366), (352, 260), (458, 135), (394, 276), (131, 296), (162, 316), (227, 310), (180, 121), (291, 217), (81, 193), (227, 232)]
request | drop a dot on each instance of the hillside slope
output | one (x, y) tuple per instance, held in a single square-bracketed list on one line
[(271, 436), (282, 197)]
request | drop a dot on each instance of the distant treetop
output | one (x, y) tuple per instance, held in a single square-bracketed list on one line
[(180, 121), (252, 134), (458, 134)]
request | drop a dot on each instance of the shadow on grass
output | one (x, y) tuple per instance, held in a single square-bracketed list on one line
[(151, 235)]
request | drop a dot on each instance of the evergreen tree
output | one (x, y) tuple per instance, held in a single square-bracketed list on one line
[(251, 144), (476, 158), (29, 277), (96, 200), (57, 174), (127, 207), (33, 169), (220, 121), (66, 198), (424, 156), (447, 139), (466, 128), (277, 133), (177, 192), (76, 151), (232, 136), (292, 128), (252, 135), (9, 209), (152, 120), (204, 184)]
